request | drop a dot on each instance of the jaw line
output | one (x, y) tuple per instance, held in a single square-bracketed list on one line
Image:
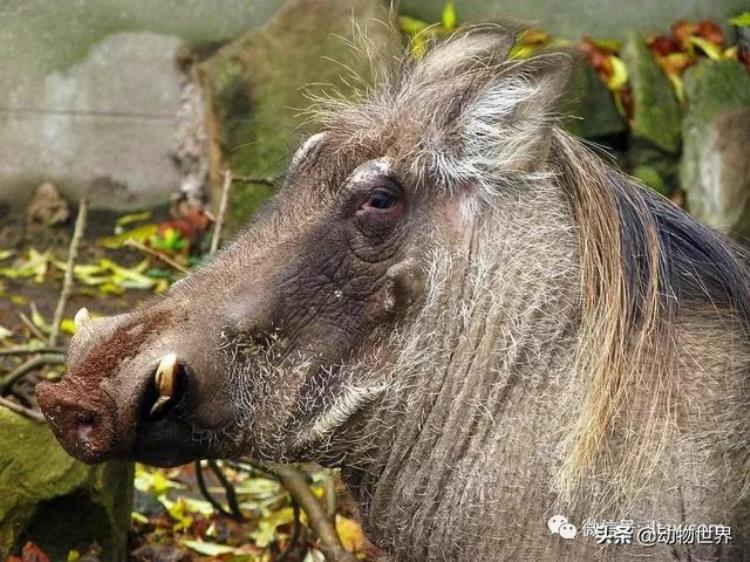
[(348, 403)]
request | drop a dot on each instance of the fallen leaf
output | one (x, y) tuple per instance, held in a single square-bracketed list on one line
[(209, 548), (32, 553), (350, 533), (140, 234), (5, 333), (131, 218)]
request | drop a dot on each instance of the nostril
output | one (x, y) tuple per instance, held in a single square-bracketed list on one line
[(84, 427)]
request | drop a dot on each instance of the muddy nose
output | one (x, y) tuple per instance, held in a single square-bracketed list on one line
[(84, 425)]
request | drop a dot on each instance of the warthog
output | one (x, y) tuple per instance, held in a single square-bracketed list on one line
[(466, 310)]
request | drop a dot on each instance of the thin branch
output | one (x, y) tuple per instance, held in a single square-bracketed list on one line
[(330, 494), (30, 350), (223, 202), (32, 327), (75, 243), (22, 410), (296, 530), (35, 362), (295, 482), (229, 490), (155, 254), (204, 490), (259, 180)]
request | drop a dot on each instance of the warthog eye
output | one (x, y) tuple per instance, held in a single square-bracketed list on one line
[(385, 197), (381, 199)]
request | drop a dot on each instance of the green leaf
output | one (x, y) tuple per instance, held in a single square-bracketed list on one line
[(5, 254), (209, 548), (741, 20), (265, 534), (411, 26), (138, 518), (613, 45), (449, 18), (258, 488)]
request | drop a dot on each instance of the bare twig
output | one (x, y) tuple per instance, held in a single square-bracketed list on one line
[(30, 350), (156, 254), (229, 490), (295, 482), (75, 242), (28, 366), (296, 530), (222, 211), (260, 180), (32, 327), (204, 490), (330, 494), (23, 410)]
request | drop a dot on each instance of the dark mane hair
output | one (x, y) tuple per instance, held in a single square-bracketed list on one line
[(645, 264)]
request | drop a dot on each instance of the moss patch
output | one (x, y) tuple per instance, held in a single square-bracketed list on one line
[(42, 488)]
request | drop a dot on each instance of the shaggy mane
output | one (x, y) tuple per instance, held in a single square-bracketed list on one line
[(643, 261)]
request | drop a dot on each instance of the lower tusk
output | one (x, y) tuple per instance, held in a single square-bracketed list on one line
[(159, 405)]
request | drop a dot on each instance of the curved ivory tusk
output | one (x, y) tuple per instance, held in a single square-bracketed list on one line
[(166, 373), (81, 317), (165, 377)]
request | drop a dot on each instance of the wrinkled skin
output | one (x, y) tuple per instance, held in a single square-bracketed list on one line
[(408, 307)]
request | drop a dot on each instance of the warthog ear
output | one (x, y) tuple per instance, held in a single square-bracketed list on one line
[(489, 117)]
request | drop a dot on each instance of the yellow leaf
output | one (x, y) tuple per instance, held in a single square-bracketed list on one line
[(449, 18), (130, 219), (350, 533), (712, 50), (209, 548), (619, 74), (139, 234), (73, 556)]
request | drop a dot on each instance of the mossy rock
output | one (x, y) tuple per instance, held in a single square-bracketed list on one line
[(588, 104), (55, 501), (657, 115), (257, 85), (715, 167)]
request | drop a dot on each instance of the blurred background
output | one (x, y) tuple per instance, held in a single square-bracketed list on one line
[(124, 125)]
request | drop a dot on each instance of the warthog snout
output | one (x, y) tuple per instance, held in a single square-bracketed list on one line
[(116, 403)]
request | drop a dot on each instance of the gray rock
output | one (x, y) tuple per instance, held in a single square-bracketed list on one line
[(103, 127), (715, 167)]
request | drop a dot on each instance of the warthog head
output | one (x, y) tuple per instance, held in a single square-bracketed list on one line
[(439, 240), (293, 329)]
